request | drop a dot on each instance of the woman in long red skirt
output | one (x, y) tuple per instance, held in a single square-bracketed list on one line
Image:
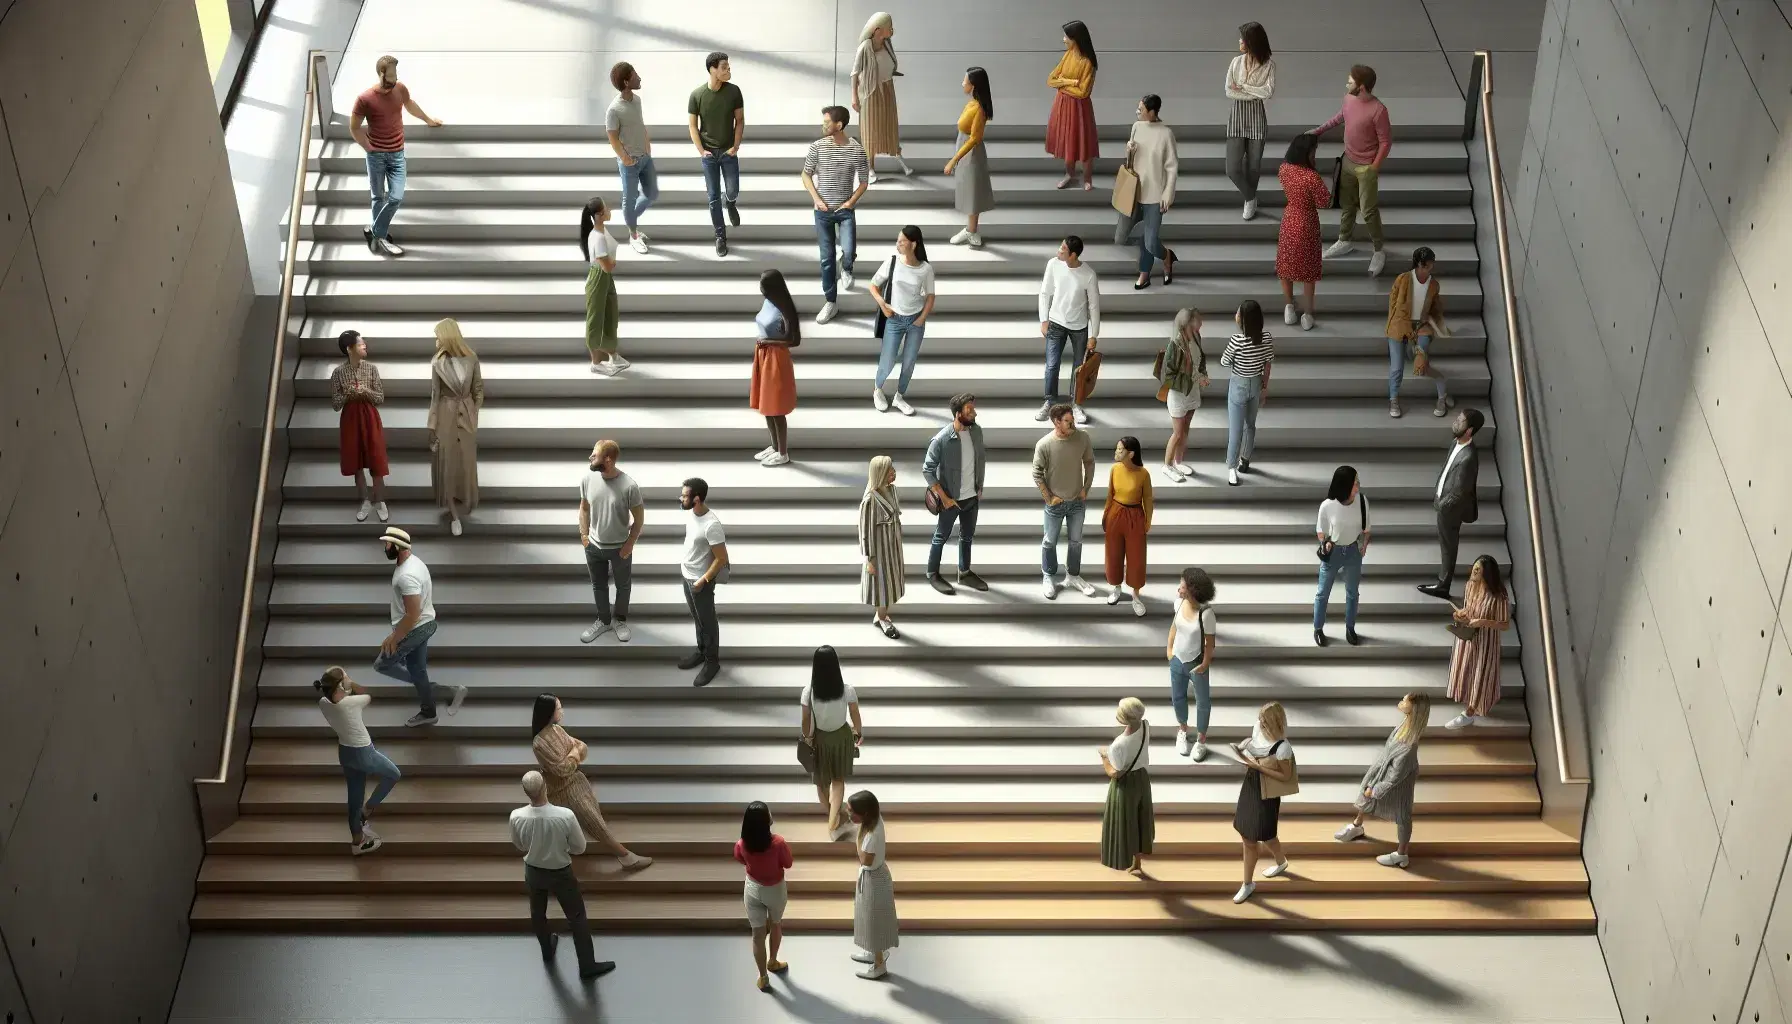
[(1297, 245), (1070, 133), (356, 393)]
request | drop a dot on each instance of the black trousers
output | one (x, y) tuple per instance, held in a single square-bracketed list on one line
[(564, 887), (1449, 539), (702, 605)]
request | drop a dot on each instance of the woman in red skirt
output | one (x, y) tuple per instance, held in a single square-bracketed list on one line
[(356, 393), (1297, 246), (1070, 134)]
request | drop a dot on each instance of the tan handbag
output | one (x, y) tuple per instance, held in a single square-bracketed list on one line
[(1087, 374), (1270, 787), (1126, 190)]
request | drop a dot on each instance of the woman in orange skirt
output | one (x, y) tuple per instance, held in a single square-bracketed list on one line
[(1070, 134), (1125, 520), (356, 393), (773, 393)]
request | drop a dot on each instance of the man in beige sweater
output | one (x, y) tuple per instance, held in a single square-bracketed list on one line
[(1063, 470)]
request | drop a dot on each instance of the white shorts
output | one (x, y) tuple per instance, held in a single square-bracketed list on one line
[(1182, 404), (765, 903)]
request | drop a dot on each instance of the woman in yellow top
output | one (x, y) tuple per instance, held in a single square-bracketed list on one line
[(1125, 520), (1070, 134), (971, 191)]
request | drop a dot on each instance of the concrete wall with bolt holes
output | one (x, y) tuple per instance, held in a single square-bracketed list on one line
[(128, 444), (1653, 204)]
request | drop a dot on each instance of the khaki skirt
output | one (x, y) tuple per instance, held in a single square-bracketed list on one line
[(880, 132), (833, 755)]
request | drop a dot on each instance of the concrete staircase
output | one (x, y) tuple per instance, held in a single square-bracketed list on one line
[(981, 723)]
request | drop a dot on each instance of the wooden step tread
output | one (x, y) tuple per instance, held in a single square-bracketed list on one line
[(1168, 912)]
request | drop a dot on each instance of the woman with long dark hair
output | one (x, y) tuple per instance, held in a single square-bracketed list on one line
[(356, 393), (1249, 355), (1475, 664), (903, 289), (602, 314), (766, 857), (1343, 533), (772, 393), (875, 928), (1070, 132), (971, 191), (1250, 79), (1125, 520), (560, 757), (1297, 241), (832, 728)]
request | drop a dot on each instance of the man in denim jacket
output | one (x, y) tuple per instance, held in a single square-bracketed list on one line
[(953, 470)]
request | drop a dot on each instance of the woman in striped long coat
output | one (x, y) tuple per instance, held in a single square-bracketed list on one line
[(880, 541)]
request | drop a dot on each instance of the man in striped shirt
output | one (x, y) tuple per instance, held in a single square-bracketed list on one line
[(830, 171)]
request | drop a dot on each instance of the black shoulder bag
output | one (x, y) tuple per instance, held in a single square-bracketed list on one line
[(877, 326)]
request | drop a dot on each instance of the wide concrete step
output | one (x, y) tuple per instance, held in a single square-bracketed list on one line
[(1172, 792), (928, 187), (885, 760), (1080, 913), (397, 336), (674, 154), (1029, 681), (733, 288), (681, 260)]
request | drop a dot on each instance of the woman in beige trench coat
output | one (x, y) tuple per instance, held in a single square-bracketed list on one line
[(456, 393)]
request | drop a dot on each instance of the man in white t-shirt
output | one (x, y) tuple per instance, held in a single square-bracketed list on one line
[(705, 562), (404, 654)]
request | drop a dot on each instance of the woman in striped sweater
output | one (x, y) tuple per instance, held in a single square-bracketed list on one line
[(1248, 355), (880, 541)]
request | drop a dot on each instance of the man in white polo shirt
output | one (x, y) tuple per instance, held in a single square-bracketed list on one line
[(550, 837), (404, 654)]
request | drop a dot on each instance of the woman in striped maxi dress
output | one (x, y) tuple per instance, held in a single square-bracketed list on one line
[(880, 541), (1475, 665)]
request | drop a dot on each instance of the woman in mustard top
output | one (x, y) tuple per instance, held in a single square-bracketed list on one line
[(1070, 133), (1125, 520), (969, 166)]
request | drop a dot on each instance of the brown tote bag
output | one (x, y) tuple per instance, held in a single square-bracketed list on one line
[(1126, 190), (1087, 374)]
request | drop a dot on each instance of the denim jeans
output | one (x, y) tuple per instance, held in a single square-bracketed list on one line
[(600, 563), (357, 764), (1181, 675), (409, 663), (1346, 562), (702, 606), (1397, 365), (902, 341), (965, 515), (1056, 335), (640, 189), (385, 180), (1242, 397), (839, 227), (1148, 220), (1065, 517), (721, 179)]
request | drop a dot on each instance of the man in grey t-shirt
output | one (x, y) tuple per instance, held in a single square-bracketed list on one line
[(634, 151), (610, 519)]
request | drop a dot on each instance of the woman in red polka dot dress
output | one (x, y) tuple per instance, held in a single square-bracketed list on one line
[(1297, 246)]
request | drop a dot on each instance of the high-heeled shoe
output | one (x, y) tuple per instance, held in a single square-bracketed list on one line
[(1142, 283), (1169, 264)]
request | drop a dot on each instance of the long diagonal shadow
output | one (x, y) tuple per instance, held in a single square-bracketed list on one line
[(685, 39)]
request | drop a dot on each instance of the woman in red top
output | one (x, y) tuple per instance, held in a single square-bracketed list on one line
[(1297, 246), (766, 856)]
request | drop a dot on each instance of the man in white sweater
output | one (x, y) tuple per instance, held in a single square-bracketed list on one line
[(1069, 311)]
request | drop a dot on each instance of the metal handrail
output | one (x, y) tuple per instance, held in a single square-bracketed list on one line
[(1481, 93), (245, 613)]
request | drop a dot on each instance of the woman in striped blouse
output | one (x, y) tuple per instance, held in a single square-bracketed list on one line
[(1248, 355), (1250, 79), (880, 541)]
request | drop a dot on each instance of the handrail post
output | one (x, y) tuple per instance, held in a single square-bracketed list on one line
[(324, 104)]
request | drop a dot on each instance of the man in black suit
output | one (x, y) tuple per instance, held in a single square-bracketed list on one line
[(1455, 498)]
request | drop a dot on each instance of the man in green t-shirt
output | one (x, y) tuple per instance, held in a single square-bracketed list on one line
[(718, 118)]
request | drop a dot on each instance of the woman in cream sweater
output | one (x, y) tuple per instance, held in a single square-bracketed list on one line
[(1152, 151), (874, 92), (1415, 314)]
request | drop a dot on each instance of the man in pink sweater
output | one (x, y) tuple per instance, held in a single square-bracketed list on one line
[(1367, 139)]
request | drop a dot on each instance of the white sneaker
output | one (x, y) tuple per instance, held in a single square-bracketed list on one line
[(1138, 606), (367, 510), (1339, 248), (1044, 411), (871, 179), (1348, 833), (454, 527), (1175, 474), (1306, 321), (1244, 892), (776, 459), (765, 453), (1232, 477), (379, 509), (962, 238), (1377, 260), (369, 843), (1250, 209), (639, 244), (605, 369), (619, 361), (1275, 869), (1183, 744), (1393, 859), (880, 401), (874, 973), (975, 240), (593, 631), (1051, 589), (902, 405), (1186, 468), (863, 958), (1114, 596), (460, 697), (1461, 721), (1199, 752), (1081, 416), (846, 281), (622, 632), (827, 313), (1290, 315), (1083, 586)]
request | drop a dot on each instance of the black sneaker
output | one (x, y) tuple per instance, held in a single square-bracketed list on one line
[(597, 970), (367, 236), (691, 660), (939, 583), (1244, 465), (721, 245), (708, 674), (1353, 638), (553, 946), (1320, 638), (970, 579), (734, 214)]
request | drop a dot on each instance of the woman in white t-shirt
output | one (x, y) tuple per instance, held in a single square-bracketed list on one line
[(343, 702), (832, 729), (1189, 649), (1268, 756), (1343, 533), (602, 314), (875, 928), (906, 302)]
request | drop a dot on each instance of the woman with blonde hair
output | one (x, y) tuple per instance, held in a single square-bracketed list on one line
[(1128, 826), (1181, 374), (874, 93), (1270, 759), (456, 394), (880, 541), (1388, 784)]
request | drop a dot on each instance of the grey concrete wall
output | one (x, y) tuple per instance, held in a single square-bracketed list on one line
[(127, 455), (1654, 209)]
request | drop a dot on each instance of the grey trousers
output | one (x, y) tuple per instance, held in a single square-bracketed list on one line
[(1449, 540), (1244, 165), (560, 883)]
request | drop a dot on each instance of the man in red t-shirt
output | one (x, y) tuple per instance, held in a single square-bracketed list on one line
[(377, 123)]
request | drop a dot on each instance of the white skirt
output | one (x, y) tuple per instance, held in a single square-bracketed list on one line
[(1181, 404)]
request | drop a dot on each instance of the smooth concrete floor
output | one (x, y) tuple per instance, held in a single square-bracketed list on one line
[(934, 979)]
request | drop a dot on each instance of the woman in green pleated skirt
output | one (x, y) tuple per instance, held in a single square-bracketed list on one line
[(832, 729), (602, 313), (1128, 824)]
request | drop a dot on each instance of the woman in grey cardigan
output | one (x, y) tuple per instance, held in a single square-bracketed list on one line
[(1388, 784)]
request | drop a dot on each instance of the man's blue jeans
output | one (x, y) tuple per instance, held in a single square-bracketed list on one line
[(721, 179), (1065, 517), (1056, 337), (409, 663), (640, 189), (385, 180), (835, 227)]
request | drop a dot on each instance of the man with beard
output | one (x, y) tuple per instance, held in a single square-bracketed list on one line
[(704, 565), (1367, 139), (954, 468), (610, 518), (404, 654), (1456, 499)]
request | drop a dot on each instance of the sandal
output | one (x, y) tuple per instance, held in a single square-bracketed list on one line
[(1066, 182), (888, 628), (1169, 264), (1088, 186)]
